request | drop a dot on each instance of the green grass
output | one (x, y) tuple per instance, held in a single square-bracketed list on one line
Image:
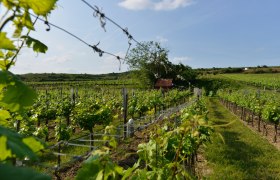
[(243, 154)]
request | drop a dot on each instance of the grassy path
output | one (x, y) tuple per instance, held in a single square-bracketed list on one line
[(243, 154)]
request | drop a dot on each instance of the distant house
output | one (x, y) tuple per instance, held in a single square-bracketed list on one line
[(164, 84)]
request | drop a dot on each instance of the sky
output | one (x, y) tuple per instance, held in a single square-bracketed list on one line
[(198, 33)]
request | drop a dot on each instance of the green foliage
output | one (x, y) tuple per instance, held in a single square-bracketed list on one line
[(167, 155), (15, 95), (4, 116), (150, 61), (271, 112), (62, 132), (39, 7), (5, 42), (169, 151), (15, 146), (265, 104), (36, 45), (10, 172), (5, 152), (123, 78), (99, 166), (87, 116)]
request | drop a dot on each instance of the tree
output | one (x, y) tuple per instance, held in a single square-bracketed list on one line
[(182, 74), (150, 60)]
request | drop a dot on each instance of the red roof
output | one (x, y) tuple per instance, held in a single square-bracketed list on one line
[(164, 83)]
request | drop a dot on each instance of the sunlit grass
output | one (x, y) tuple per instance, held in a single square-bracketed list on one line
[(243, 154)]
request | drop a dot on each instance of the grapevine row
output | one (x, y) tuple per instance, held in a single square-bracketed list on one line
[(249, 104)]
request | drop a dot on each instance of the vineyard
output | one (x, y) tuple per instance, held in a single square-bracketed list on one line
[(264, 81), (74, 121), (160, 119)]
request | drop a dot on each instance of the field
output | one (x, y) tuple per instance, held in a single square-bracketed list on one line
[(74, 120), (77, 120), (264, 81)]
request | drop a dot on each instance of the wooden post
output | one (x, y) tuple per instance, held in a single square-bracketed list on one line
[(275, 132), (125, 99), (58, 156), (73, 99), (47, 120), (91, 139), (18, 125)]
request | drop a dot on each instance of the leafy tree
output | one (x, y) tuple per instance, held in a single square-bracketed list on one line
[(181, 74), (150, 62)]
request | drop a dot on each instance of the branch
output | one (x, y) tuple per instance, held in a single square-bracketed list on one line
[(4, 15), (7, 20), (21, 46)]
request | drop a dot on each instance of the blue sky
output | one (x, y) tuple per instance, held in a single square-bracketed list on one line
[(198, 33)]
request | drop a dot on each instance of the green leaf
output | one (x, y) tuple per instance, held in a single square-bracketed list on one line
[(6, 43), (8, 3), (4, 152), (4, 115), (4, 64), (26, 20), (18, 27), (1, 54), (16, 96), (16, 145), (33, 144), (37, 45), (10, 172), (100, 175), (42, 7)]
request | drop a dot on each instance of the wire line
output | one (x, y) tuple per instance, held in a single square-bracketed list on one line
[(94, 47)]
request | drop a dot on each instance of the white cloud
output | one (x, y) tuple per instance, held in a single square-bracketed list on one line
[(172, 4), (161, 39), (183, 60), (58, 59), (158, 5), (136, 4)]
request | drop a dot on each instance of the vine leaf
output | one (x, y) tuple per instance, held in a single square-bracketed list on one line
[(39, 7), (8, 4), (26, 20), (4, 64), (33, 144), (37, 45), (2, 54), (15, 143), (5, 153), (4, 115), (11, 172), (6, 43), (14, 94)]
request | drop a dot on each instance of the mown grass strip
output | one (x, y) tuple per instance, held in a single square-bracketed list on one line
[(243, 154)]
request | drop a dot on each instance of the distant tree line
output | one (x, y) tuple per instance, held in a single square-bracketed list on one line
[(247, 70), (53, 77)]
